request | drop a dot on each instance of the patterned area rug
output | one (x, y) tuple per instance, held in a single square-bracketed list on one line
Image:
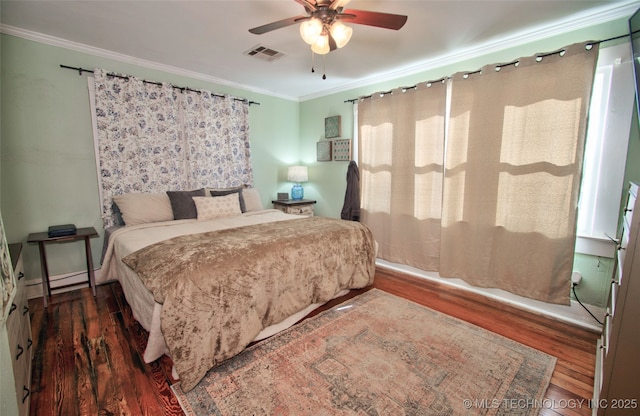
[(376, 354)]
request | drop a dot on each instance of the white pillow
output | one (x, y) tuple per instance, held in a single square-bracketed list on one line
[(216, 207), (139, 208), (252, 201)]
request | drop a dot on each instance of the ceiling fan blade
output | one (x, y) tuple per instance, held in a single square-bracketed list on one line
[(338, 3), (383, 20), (276, 25), (308, 5)]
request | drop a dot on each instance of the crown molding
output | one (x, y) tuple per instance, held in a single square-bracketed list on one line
[(104, 53), (605, 14)]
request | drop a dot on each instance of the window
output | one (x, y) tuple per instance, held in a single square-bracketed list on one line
[(605, 151)]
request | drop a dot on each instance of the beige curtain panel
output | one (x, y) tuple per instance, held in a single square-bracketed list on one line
[(503, 214), (512, 173), (401, 142)]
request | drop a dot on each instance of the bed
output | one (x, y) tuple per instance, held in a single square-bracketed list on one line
[(204, 288)]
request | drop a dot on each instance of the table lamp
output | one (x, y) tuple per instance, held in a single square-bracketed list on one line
[(297, 174)]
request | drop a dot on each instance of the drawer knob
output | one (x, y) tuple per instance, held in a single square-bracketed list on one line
[(20, 351), (25, 310), (13, 308), (20, 275), (29, 343)]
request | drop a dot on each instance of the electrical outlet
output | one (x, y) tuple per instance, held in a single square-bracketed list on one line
[(576, 278)]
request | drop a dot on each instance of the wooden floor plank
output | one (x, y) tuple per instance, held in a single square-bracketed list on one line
[(42, 389), (84, 368), (109, 388), (66, 385), (88, 352), (158, 372), (573, 403)]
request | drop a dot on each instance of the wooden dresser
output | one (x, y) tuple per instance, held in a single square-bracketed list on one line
[(15, 346), (616, 386)]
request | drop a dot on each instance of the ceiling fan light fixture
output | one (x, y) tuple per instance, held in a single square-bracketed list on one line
[(341, 33), (321, 45), (310, 30)]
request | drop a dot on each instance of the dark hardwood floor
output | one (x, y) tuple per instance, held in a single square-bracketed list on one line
[(88, 352)]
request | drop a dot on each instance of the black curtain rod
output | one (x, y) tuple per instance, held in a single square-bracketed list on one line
[(182, 89), (443, 79), (613, 38), (516, 62)]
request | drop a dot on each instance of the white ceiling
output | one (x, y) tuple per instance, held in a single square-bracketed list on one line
[(207, 39)]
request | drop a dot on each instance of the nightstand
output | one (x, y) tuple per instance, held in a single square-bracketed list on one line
[(43, 238), (295, 206)]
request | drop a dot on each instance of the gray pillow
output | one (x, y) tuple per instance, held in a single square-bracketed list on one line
[(182, 203), (225, 192)]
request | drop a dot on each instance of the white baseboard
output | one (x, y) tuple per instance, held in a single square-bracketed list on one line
[(76, 279), (573, 314)]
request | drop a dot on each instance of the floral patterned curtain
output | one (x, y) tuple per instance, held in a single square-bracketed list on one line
[(216, 130), (155, 138)]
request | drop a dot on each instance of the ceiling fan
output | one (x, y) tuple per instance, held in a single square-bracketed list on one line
[(322, 27)]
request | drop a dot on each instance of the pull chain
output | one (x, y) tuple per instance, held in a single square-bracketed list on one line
[(324, 67), (324, 64)]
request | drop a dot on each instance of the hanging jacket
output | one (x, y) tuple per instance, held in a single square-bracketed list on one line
[(351, 207)]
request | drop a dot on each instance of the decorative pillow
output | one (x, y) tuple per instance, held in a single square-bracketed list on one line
[(252, 201), (117, 215), (223, 192), (182, 203), (217, 207), (138, 208)]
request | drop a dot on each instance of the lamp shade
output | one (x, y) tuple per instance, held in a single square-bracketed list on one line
[(321, 45), (341, 33), (310, 30), (297, 174)]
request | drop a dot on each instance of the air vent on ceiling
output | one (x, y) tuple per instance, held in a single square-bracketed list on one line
[(265, 53)]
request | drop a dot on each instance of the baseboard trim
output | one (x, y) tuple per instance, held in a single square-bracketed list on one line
[(77, 280), (573, 314)]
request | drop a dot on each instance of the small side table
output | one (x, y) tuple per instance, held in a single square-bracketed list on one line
[(43, 238), (295, 206)]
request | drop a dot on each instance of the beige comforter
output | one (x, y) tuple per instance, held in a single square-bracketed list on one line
[(220, 288)]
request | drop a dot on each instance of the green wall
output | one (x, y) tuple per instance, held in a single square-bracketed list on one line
[(48, 171), (328, 179)]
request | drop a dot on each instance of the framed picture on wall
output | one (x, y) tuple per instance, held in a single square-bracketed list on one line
[(342, 150), (323, 151), (332, 127)]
